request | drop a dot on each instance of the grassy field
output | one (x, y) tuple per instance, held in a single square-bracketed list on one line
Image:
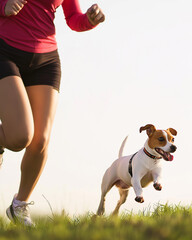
[(165, 222)]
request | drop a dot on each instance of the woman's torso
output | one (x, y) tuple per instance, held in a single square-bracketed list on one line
[(32, 29)]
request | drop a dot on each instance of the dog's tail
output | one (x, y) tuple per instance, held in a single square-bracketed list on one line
[(122, 147)]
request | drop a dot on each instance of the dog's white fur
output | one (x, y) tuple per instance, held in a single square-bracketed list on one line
[(144, 169)]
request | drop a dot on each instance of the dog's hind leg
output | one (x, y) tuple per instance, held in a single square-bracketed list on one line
[(123, 196), (104, 190), (101, 208), (107, 184)]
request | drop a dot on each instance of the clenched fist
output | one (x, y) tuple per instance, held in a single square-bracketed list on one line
[(95, 15), (13, 7)]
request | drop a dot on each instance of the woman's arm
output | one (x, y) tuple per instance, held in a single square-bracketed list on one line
[(11, 7), (95, 15), (2, 7), (78, 21)]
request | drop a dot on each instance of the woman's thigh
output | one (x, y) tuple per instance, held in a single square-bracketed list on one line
[(43, 100), (15, 114)]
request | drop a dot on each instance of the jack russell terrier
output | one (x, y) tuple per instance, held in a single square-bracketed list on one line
[(139, 169)]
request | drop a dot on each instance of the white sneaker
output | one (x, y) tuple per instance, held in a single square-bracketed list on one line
[(1, 155), (18, 212)]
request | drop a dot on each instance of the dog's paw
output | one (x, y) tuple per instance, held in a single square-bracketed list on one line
[(139, 199), (157, 186)]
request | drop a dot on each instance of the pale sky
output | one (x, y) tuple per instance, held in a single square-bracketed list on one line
[(134, 69)]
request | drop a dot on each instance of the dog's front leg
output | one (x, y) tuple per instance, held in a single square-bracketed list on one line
[(156, 173), (136, 183)]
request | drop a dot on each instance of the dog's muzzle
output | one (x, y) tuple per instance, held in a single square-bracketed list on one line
[(173, 148), (167, 155)]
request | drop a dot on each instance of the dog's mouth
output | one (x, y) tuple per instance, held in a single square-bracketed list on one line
[(166, 155)]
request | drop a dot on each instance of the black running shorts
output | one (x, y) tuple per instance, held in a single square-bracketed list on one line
[(33, 68)]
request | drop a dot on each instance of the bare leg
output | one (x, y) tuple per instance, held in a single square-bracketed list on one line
[(16, 128), (43, 100), (123, 196)]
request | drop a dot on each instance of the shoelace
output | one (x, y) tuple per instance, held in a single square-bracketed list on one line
[(23, 208)]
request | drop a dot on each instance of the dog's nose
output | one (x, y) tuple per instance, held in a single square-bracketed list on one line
[(173, 148)]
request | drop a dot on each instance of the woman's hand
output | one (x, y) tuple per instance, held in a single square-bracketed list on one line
[(95, 15), (13, 7)]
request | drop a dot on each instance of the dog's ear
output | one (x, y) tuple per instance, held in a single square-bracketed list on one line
[(150, 129), (172, 131)]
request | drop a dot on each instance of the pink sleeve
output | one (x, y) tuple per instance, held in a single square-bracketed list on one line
[(2, 7), (75, 19)]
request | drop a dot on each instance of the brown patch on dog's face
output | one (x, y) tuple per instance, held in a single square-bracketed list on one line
[(158, 139)]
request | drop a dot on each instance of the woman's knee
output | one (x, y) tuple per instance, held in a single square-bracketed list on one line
[(21, 140), (39, 143), (16, 114)]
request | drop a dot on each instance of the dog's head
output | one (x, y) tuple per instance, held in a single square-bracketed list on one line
[(161, 141)]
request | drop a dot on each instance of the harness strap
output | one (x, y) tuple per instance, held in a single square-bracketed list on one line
[(130, 164)]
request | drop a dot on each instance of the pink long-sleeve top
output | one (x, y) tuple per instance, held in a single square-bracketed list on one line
[(33, 29)]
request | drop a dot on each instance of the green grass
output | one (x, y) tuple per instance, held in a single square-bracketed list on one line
[(165, 222)]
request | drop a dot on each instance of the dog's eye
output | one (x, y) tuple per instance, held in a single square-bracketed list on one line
[(161, 139), (173, 139)]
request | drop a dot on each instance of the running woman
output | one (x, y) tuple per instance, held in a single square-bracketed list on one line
[(29, 84)]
